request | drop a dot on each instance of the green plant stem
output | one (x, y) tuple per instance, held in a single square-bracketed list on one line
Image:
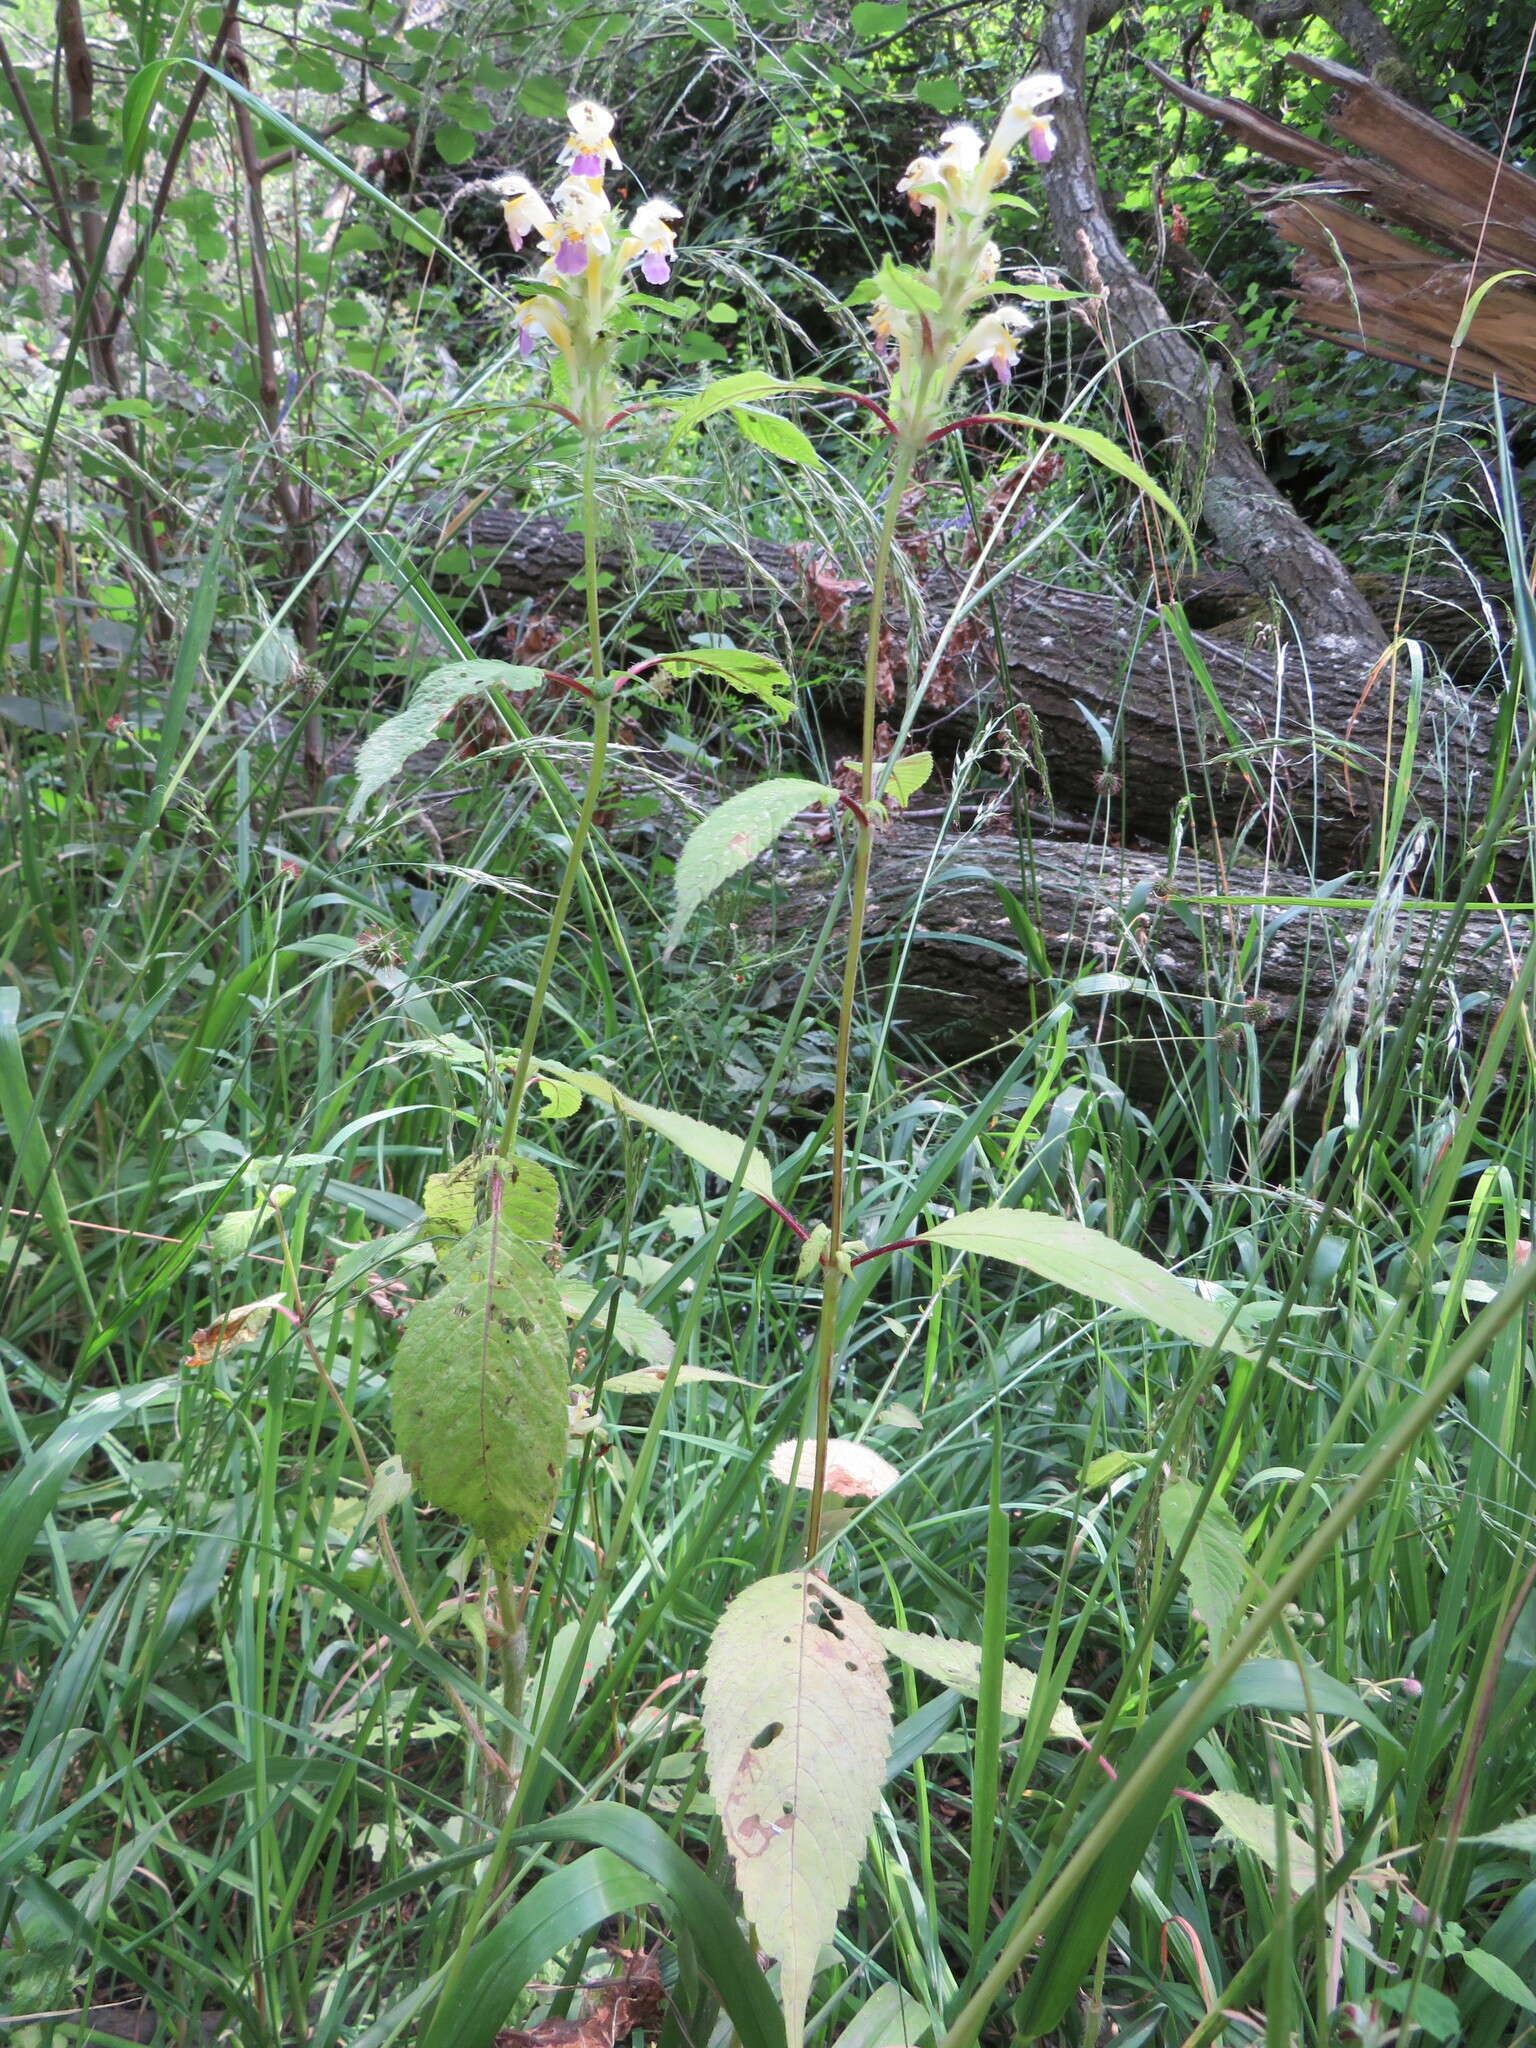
[(832, 1271), (602, 722)]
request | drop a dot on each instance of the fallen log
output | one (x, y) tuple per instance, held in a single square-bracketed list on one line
[(1259, 738)]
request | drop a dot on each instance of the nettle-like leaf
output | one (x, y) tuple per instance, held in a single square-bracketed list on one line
[(724, 393), (730, 838), (1216, 1563), (754, 675), (717, 1151), (436, 697), (479, 1390), (1088, 1262), (797, 1722), (455, 1201), (958, 1665)]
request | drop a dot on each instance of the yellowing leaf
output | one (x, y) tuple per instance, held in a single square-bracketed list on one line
[(1252, 1824), (958, 1665), (853, 1469), (796, 1726), (755, 675), (1088, 1262), (906, 779), (733, 836), (717, 1151), (479, 1392), (241, 1326), (650, 1379), (1215, 1564)]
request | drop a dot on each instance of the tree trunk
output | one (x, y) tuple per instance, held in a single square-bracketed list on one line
[(1190, 399)]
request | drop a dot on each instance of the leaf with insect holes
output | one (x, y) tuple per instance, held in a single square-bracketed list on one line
[(754, 675), (797, 1722), (436, 697), (530, 1199), (1088, 1262), (716, 1151), (479, 1391), (906, 779), (732, 837), (958, 1665), (1215, 1565)]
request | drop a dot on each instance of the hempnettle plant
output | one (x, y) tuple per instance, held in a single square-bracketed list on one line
[(796, 1714)]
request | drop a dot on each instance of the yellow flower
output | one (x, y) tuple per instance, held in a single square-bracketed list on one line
[(541, 317), (922, 172), (578, 230), (993, 342)]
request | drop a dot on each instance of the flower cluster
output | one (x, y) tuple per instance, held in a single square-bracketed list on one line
[(926, 322), (588, 251)]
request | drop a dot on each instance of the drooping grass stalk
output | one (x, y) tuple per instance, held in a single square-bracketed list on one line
[(602, 721), (832, 1271)]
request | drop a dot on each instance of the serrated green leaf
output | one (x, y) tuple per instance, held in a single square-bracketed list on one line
[(634, 1330), (755, 675), (1087, 1262), (717, 1151), (732, 837), (871, 18), (456, 1201), (797, 1722), (479, 1391), (1503, 1981), (903, 782), (390, 745), (1215, 1564), (721, 395), (908, 289), (780, 438), (958, 1665)]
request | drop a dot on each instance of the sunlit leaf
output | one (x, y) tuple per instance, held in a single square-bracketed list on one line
[(436, 697), (634, 1330), (906, 779), (796, 1727), (1087, 1262), (958, 1665), (755, 675), (780, 438)]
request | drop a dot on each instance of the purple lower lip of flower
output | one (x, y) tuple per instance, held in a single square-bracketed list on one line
[(525, 343), (586, 165), (655, 266), (1042, 144), (515, 238), (572, 258), (1002, 370)]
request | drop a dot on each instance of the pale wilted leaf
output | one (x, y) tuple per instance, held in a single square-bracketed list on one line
[(634, 1330), (796, 1726), (1252, 1824), (479, 1391), (733, 836), (1087, 1262), (958, 1665), (650, 1379), (436, 697), (717, 1151), (1510, 1834), (243, 1325), (391, 1485), (853, 1469), (1215, 1565)]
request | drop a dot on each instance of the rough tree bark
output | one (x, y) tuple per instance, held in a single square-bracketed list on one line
[(1071, 653), (1189, 396)]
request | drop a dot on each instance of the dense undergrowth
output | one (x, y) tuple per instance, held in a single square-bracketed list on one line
[(274, 1768)]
